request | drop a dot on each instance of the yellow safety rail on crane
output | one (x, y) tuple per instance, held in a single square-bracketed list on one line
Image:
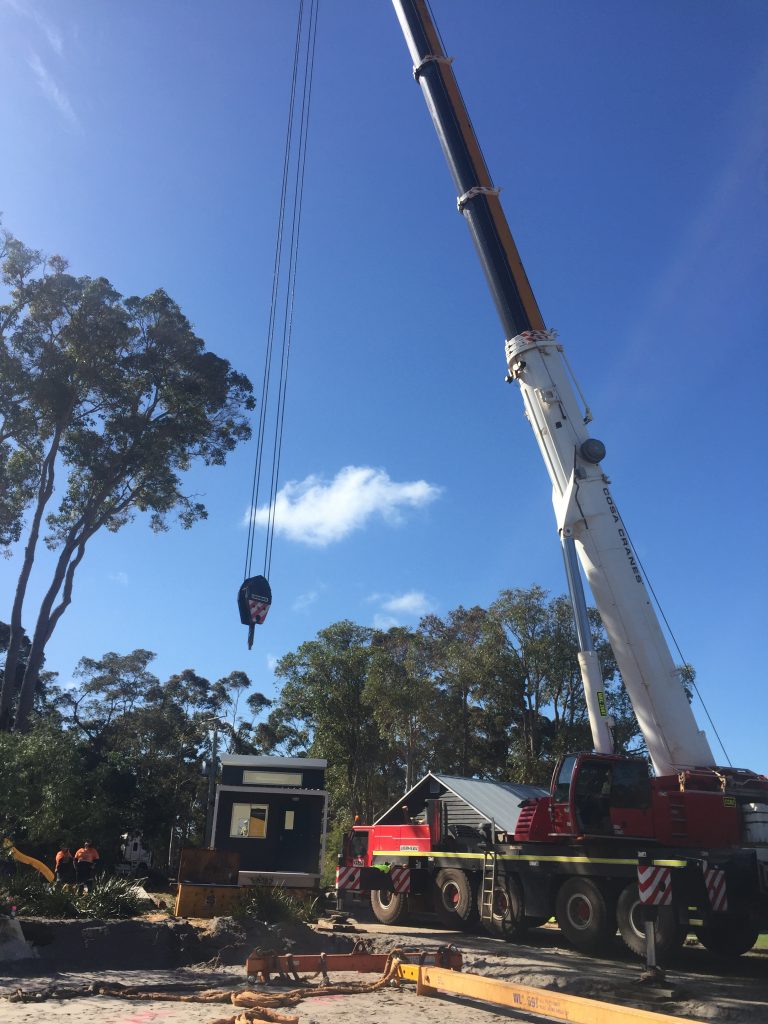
[(551, 1005), (22, 858)]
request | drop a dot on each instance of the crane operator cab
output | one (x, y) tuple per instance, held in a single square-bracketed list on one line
[(594, 794)]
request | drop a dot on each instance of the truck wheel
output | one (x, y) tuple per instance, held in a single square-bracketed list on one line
[(670, 934), (731, 937), (389, 907), (586, 914), (454, 899), (507, 920)]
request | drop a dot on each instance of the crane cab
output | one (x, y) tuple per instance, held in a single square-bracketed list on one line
[(602, 795)]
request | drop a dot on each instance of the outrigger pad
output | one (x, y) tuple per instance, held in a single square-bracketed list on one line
[(253, 600)]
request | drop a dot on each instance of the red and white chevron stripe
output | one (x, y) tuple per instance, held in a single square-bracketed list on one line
[(401, 878), (714, 879), (348, 878), (654, 885)]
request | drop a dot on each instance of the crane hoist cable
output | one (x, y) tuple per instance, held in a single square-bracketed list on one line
[(254, 596)]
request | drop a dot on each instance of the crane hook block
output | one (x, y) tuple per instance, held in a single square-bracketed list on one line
[(253, 601)]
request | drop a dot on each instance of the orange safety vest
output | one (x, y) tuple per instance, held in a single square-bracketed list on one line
[(90, 854), (63, 855)]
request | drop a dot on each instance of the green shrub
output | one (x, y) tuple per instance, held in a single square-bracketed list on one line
[(108, 896), (275, 905), (34, 897)]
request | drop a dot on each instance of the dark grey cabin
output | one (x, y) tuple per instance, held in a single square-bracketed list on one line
[(273, 812)]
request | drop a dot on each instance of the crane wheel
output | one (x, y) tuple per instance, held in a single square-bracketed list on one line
[(507, 920), (670, 934), (586, 914), (454, 899), (389, 907), (731, 936)]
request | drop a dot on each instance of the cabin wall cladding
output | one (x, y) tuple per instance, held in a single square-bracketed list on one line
[(459, 813), (272, 812)]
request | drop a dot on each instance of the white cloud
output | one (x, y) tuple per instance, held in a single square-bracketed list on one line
[(414, 603), (119, 577), (51, 33), (305, 600), (394, 608), (48, 29), (271, 662), (384, 622), (51, 90), (318, 512)]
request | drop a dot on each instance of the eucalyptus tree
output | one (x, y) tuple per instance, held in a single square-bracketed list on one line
[(454, 647), (324, 698), (551, 715), (124, 398), (402, 692)]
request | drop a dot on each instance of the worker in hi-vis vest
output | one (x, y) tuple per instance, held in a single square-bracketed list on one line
[(85, 858)]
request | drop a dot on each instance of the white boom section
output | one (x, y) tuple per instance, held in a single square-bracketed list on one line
[(586, 511)]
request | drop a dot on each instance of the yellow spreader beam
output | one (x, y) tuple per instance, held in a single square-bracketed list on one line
[(552, 1005)]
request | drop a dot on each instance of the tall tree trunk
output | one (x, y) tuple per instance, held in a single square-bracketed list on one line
[(69, 559), (45, 490)]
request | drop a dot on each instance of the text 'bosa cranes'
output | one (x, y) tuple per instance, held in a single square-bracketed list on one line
[(602, 808)]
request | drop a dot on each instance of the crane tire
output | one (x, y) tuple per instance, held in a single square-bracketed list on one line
[(389, 907), (507, 920), (454, 899), (586, 914), (730, 937), (669, 933)]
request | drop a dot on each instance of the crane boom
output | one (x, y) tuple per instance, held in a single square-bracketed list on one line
[(586, 513)]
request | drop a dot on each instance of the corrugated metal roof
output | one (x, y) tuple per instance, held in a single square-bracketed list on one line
[(498, 802)]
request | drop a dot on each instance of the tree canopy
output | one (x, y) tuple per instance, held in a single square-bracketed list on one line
[(105, 402), (489, 692)]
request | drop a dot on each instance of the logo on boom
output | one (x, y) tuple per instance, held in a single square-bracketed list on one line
[(635, 568)]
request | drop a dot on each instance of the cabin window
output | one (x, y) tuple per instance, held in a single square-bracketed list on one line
[(249, 821), (358, 844), (631, 787), (288, 826), (272, 778), (563, 788)]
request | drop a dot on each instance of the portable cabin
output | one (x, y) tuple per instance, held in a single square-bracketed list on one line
[(273, 812)]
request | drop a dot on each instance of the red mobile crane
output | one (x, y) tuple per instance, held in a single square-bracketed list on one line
[(692, 837)]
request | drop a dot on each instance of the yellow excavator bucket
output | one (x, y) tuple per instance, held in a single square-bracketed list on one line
[(22, 858)]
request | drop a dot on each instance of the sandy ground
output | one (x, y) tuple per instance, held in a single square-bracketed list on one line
[(697, 986)]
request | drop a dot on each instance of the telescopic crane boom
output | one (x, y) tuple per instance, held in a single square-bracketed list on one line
[(588, 520)]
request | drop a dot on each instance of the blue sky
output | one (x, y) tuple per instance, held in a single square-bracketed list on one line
[(144, 141)]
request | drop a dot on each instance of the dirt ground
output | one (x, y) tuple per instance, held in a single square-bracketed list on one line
[(697, 985)]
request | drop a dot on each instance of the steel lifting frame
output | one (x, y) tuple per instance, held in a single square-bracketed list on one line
[(360, 960)]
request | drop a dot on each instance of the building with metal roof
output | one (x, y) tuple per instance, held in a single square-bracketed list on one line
[(471, 803)]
